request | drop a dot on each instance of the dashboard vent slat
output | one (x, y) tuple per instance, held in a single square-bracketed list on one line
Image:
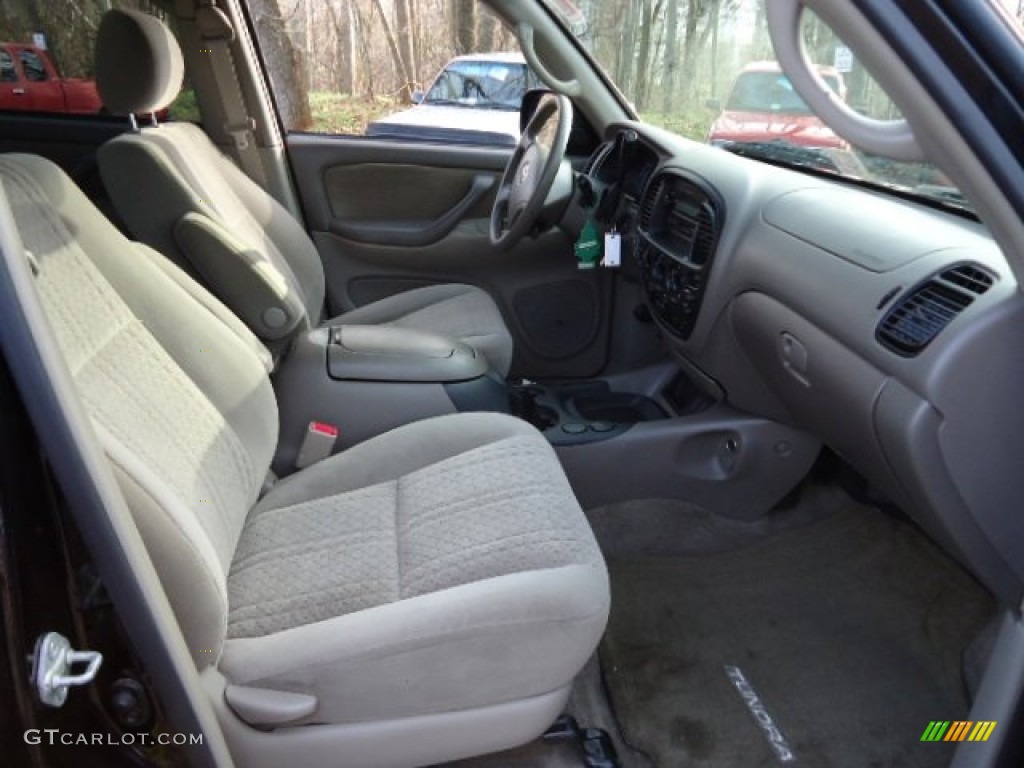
[(915, 321), (970, 277), (920, 316), (650, 199), (706, 235)]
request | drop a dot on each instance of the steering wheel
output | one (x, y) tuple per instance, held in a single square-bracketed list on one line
[(531, 171)]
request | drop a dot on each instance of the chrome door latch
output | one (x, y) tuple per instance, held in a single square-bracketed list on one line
[(51, 668)]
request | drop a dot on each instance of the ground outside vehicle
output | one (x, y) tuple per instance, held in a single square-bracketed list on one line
[(30, 81), (474, 99), (764, 106)]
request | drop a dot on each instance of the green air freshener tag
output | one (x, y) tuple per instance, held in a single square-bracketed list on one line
[(588, 246)]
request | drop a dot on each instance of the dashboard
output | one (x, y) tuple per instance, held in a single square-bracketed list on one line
[(888, 329)]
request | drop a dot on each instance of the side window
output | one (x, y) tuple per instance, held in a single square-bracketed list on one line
[(32, 65), (53, 41), (419, 70), (8, 74)]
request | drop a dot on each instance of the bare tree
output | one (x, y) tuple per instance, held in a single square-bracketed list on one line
[(344, 29), (404, 32), (285, 62), (400, 65), (416, 34), (464, 26), (363, 35), (625, 52), (689, 71), (671, 55), (485, 31), (649, 11), (712, 11), (763, 48)]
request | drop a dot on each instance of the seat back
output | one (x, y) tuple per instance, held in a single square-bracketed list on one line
[(177, 388), (178, 193)]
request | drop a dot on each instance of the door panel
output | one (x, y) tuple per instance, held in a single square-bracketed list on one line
[(390, 216), (428, 192)]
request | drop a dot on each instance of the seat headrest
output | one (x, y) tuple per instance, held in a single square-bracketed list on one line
[(139, 66)]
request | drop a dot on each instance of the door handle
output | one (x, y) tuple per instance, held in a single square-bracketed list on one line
[(18, 91), (793, 355)]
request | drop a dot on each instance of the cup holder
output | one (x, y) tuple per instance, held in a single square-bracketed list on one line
[(616, 407), (525, 402), (581, 412)]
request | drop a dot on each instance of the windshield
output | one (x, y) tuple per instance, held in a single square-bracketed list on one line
[(707, 71), (471, 83)]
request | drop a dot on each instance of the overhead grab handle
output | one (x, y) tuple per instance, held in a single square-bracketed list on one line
[(570, 88), (889, 138)]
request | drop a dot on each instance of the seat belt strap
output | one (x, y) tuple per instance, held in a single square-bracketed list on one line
[(216, 32)]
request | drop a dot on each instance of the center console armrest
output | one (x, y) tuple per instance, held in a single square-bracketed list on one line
[(388, 353)]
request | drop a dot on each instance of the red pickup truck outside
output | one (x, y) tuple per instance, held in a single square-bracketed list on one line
[(764, 106), (29, 81)]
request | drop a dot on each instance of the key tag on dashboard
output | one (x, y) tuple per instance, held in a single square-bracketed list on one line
[(588, 246), (612, 249)]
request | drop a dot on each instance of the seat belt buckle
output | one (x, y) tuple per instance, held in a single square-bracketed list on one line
[(317, 444), (241, 132)]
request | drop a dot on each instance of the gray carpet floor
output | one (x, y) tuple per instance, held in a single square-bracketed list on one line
[(667, 527), (846, 634), (536, 754), (588, 703)]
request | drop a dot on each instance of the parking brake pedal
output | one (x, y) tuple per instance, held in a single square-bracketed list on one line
[(595, 745)]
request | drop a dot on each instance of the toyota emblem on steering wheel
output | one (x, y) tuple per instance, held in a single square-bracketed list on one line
[(524, 173)]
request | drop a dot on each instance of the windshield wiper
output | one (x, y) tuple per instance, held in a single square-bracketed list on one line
[(944, 194), (784, 154), (496, 105), (444, 102), (469, 104)]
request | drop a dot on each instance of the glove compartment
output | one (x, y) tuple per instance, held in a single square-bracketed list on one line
[(826, 389)]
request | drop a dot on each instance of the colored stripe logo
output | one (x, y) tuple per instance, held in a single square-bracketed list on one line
[(958, 730)]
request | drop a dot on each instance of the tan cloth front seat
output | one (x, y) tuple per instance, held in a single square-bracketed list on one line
[(426, 595), (179, 194)]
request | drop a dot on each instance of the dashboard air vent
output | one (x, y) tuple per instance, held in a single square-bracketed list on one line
[(647, 208), (913, 322), (704, 242), (970, 277), (922, 314)]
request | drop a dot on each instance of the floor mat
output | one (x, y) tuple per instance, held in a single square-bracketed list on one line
[(829, 646), (536, 754)]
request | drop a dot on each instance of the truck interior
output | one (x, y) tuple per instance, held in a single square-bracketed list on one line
[(370, 464)]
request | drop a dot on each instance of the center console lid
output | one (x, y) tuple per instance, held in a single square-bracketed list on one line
[(388, 353)]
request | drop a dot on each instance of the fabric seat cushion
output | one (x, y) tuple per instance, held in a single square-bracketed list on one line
[(160, 175), (462, 312), (176, 388), (441, 566)]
